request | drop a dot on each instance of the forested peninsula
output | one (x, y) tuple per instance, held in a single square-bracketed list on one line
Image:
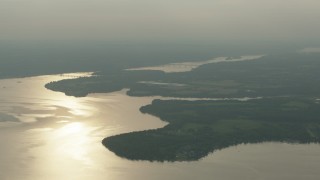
[(288, 109)]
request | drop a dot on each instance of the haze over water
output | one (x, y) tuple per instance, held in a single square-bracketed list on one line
[(47, 135)]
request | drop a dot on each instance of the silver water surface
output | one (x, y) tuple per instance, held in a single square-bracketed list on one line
[(189, 66), (47, 135)]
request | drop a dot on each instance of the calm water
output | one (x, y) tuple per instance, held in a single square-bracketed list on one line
[(47, 135), (189, 66)]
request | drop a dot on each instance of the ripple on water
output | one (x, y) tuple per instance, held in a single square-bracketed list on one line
[(62, 144)]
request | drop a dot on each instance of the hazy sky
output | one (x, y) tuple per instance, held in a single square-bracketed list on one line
[(159, 19)]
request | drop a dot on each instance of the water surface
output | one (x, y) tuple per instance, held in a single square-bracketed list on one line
[(47, 135), (189, 66)]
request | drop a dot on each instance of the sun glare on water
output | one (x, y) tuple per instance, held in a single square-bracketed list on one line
[(70, 129), (75, 106), (72, 141)]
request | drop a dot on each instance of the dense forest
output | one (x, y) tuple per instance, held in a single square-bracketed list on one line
[(288, 111), (293, 74), (197, 128)]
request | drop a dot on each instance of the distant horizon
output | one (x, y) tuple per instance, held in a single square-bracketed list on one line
[(160, 21)]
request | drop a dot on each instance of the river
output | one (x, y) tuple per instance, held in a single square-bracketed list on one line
[(47, 135), (191, 65)]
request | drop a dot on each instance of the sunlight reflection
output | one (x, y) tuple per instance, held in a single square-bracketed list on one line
[(75, 106), (73, 142), (70, 129), (63, 121), (40, 130)]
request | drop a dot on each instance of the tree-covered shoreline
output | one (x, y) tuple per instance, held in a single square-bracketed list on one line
[(197, 128), (288, 112)]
